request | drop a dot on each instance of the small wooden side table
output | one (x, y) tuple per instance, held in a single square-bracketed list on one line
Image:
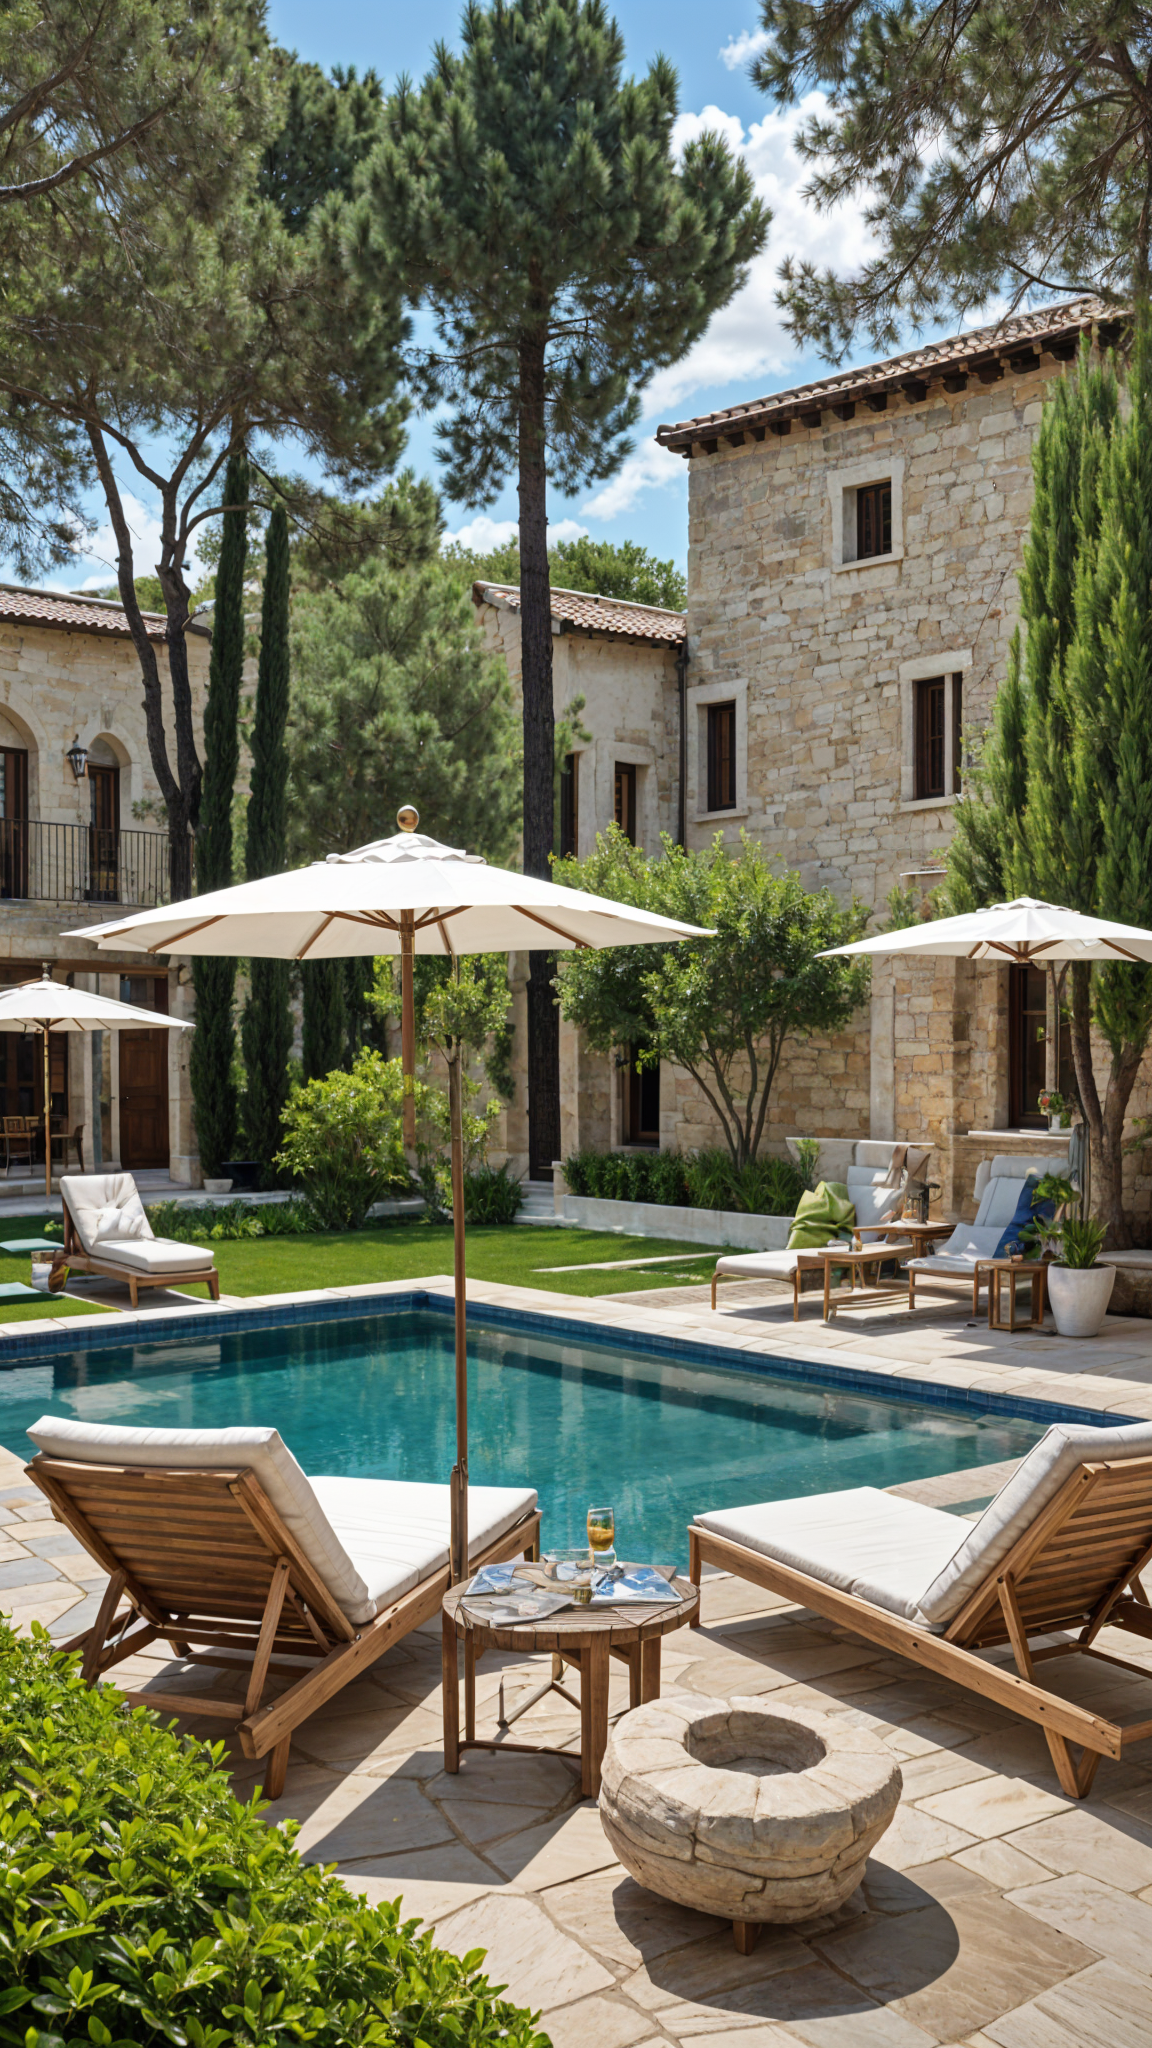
[(923, 1235), (1016, 1270), (585, 1638), (855, 1259)]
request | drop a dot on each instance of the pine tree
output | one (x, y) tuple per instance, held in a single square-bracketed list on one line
[(325, 1020), (529, 197), (266, 1030), (213, 1041)]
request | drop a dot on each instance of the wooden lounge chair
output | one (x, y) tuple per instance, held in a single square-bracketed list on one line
[(876, 1198), (215, 1539), (106, 1231), (1057, 1554)]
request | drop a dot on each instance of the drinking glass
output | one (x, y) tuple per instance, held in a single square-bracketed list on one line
[(602, 1534)]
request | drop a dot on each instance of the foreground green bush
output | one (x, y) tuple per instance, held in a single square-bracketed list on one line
[(343, 1140), (491, 1195), (140, 1902), (694, 1180)]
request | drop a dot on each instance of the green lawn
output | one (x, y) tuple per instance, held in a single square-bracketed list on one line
[(413, 1251)]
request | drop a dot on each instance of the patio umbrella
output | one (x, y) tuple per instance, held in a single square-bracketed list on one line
[(50, 1006), (1026, 932), (407, 894)]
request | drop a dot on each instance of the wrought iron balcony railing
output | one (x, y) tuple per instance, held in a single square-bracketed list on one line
[(44, 863)]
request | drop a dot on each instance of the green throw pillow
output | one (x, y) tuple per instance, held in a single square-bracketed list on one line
[(822, 1213)]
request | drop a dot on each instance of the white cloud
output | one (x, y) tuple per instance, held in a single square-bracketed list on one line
[(96, 556), (649, 467), (739, 51), (484, 533), (747, 342)]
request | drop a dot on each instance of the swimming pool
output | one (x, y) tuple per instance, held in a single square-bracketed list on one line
[(584, 1420)]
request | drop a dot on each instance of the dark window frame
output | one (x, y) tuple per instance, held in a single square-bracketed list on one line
[(929, 727), (874, 520), (641, 1105), (624, 799), (569, 806), (721, 756)]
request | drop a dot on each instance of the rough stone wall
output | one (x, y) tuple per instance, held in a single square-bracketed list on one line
[(57, 685)]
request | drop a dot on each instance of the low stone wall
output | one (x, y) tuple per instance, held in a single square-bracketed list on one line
[(696, 1226)]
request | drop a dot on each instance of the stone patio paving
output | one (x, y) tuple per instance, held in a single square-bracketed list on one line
[(994, 1911)]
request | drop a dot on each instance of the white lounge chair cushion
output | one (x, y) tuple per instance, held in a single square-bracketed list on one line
[(877, 1546), (368, 1540), (125, 1219), (90, 1195), (153, 1255), (396, 1531), (766, 1265), (1036, 1480), (874, 1197)]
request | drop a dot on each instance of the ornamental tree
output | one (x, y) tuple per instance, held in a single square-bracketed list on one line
[(528, 197), (723, 1008), (996, 151)]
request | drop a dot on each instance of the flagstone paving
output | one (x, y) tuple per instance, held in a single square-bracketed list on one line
[(994, 1911)]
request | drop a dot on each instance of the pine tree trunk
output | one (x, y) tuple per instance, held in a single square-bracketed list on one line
[(539, 743), (266, 1031)]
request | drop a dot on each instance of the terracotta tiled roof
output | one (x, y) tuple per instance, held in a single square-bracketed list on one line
[(71, 614), (577, 611), (979, 354)]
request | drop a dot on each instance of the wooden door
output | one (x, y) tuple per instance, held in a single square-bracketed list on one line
[(104, 835), (144, 1098), (13, 822)]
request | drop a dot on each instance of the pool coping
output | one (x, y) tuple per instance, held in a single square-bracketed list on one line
[(988, 1389)]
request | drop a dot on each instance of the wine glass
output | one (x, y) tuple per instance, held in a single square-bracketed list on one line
[(602, 1534)]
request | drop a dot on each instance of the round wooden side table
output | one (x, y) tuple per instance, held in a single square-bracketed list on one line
[(582, 1637)]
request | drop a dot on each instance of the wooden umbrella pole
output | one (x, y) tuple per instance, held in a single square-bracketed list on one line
[(408, 1024), (47, 1119), (460, 1469)]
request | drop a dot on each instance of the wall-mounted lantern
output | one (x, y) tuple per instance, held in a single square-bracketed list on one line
[(78, 757)]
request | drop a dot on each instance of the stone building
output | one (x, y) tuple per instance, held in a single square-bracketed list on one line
[(82, 832), (853, 552)]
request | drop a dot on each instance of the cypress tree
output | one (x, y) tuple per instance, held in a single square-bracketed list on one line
[(325, 1025), (213, 1041), (266, 1030)]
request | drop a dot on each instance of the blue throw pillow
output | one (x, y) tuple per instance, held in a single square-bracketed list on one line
[(1024, 1213)]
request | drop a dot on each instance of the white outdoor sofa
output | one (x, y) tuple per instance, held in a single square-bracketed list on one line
[(1058, 1553), (877, 1182), (215, 1537), (106, 1231)]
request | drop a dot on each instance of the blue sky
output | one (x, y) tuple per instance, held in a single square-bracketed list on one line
[(745, 351)]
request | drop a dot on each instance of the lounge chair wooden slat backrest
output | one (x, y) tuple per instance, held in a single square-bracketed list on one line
[(1073, 1570), (204, 1557)]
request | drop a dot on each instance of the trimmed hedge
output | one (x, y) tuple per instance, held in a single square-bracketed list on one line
[(691, 1180), (141, 1902)]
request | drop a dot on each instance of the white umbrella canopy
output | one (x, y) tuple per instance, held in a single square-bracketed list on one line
[(50, 1006), (1025, 932), (362, 903), (407, 894)]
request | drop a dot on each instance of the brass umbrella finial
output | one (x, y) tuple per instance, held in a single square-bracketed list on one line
[(407, 817)]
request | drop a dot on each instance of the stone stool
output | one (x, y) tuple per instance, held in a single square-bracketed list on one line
[(752, 1811)]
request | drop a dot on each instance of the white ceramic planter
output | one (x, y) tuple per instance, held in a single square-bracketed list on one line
[(217, 1187), (1079, 1298)]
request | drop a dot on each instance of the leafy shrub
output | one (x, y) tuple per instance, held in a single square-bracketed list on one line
[(491, 1195), (143, 1903), (699, 1180), (1081, 1241), (343, 1140), (187, 1223)]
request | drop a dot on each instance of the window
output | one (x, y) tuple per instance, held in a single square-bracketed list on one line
[(641, 1118), (929, 738), (569, 807), (957, 731), (626, 799), (104, 835), (1027, 1048), (13, 822), (721, 757), (873, 520)]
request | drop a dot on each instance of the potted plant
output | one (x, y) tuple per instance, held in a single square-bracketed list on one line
[(1056, 1108), (1078, 1289)]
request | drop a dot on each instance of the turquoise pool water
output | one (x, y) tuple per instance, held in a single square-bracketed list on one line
[(582, 1421)]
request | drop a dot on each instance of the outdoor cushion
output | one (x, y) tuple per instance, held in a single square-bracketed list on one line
[(821, 1214), (1037, 1478), (122, 1220), (396, 1531), (1028, 1210), (88, 1193), (875, 1199), (875, 1545), (260, 1451), (152, 1255), (759, 1265), (979, 1240), (1003, 1166)]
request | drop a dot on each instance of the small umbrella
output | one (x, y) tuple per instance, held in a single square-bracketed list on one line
[(1026, 932), (50, 1006), (407, 894)]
